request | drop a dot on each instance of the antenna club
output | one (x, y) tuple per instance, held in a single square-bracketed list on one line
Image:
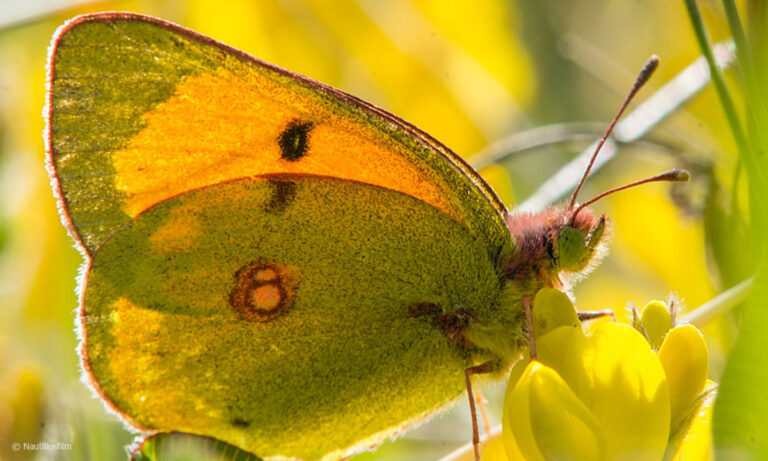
[(678, 175), (649, 68)]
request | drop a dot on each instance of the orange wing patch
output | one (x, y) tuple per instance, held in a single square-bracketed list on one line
[(219, 127), (139, 363), (178, 234)]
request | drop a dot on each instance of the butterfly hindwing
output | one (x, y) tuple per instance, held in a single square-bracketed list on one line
[(238, 311)]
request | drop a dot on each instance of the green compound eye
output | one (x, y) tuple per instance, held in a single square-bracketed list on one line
[(571, 247)]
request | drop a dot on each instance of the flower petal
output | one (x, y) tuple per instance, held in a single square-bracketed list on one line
[(657, 321), (495, 451), (685, 359), (618, 377), (563, 426), (693, 440), (551, 309), (516, 428), (630, 392), (548, 420)]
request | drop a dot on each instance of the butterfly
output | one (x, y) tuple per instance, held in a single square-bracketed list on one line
[(273, 262)]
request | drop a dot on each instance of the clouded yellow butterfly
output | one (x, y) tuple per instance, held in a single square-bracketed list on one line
[(273, 262)]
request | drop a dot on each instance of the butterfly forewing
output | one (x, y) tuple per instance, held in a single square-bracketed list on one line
[(141, 110)]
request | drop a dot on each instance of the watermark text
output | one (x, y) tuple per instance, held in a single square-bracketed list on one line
[(41, 446)]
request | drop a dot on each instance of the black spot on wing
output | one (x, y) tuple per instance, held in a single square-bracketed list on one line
[(294, 140), (283, 194), (240, 422)]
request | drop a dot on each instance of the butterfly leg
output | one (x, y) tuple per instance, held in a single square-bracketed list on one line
[(529, 320), (486, 367), (592, 315), (480, 400)]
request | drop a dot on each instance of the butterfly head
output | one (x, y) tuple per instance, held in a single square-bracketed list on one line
[(554, 249), (565, 243)]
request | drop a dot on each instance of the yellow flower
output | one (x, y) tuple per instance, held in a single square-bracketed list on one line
[(607, 395)]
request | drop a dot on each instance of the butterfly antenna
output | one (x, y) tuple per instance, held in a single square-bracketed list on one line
[(650, 65), (675, 175)]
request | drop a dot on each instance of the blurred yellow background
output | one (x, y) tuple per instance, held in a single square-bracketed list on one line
[(469, 73)]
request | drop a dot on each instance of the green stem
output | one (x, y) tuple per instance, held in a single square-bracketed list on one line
[(757, 178), (756, 110), (717, 77), (737, 32)]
